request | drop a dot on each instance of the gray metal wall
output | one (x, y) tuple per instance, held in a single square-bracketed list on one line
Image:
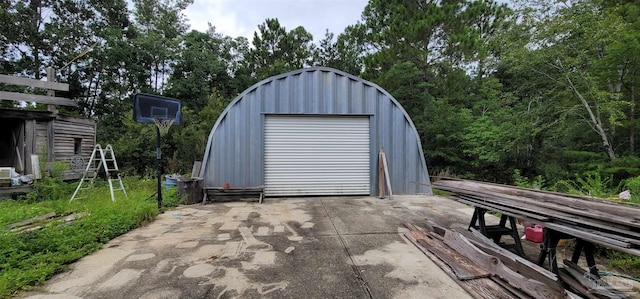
[(235, 150)]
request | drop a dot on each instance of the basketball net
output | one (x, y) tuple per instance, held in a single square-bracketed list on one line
[(163, 124)]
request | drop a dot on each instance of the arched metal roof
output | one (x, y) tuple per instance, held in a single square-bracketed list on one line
[(235, 144)]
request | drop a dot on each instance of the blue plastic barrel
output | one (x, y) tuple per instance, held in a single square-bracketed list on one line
[(170, 182)]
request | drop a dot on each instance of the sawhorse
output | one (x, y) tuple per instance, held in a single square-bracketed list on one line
[(495, 232), (548, 248)]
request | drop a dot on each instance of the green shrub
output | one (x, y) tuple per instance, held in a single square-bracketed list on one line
[(524, 182), (590, 184), (633, 185)]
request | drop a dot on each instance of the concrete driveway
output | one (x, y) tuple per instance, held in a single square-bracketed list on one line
[(318, 247)]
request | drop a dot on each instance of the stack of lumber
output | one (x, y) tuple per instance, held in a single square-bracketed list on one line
[(482, 268), (41, 221), (589, 285), (595, 220)]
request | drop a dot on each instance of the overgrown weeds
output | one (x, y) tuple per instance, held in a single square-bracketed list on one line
[(29, 258)]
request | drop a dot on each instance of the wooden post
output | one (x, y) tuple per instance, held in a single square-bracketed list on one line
[(30, 142), (381, 179), (51, 77), (386, 173)]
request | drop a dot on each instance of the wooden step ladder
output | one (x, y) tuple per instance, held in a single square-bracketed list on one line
[(101, 159)]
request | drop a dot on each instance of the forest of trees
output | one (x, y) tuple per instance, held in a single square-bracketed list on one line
[(530, 91)]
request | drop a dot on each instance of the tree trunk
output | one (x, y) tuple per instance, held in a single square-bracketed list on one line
[(632, 127), (596, 121)]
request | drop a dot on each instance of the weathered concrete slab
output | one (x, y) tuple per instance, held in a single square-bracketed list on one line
[(285, 248)]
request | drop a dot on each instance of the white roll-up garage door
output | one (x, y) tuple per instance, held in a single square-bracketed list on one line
[(316, 155)]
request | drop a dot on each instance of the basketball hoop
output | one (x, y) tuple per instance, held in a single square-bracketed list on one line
[(162, 111), (163, 124)]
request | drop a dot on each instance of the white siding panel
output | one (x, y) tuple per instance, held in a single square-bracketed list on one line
[(316, 155)]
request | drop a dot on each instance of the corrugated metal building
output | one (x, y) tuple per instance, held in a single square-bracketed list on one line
[(314, 131)]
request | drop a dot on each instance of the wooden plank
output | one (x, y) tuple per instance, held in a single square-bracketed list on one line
[(62, 118), (598, 210), (30, 221), (69, 175), (10, 192), (19, 161), (561, 211), (587, 236), (13, 80), (21, 146), (532, 217), (533, 212), (381, 180), (592, 283), (30, 140), (35, 166), (63, 127), (386, 175), (575, 285), (516, 292), (608, 240), (532, 287), (478, 288), (195, 170), (50, 142), (462, 267), (511, 260), (26, 114), (23, 97), (567, 199), (488, 288), (436, 228), (51, 77)]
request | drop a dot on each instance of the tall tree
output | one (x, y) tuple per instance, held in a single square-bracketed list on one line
[(345, 53), (566, 55), (203, 63), (161, 24), (276, 50)]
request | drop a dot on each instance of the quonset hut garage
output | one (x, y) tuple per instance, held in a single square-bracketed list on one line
[(314, 131)]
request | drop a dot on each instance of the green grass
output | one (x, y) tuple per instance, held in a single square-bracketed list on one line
[(27, 259), (625, 263)]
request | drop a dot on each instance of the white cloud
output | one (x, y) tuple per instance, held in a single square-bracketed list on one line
[(242, 17)]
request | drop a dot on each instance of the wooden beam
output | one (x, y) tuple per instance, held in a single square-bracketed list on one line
[(386, 174), (380, 176), (530, 286), (33, 83), (23, 97), (478, 288), (30, 140), (592, 283), (51, 77), (195, 171)]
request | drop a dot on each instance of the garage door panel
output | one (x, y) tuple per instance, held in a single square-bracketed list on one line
[(316, 155)]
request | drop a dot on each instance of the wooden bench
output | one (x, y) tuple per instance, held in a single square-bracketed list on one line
[(212, 192)]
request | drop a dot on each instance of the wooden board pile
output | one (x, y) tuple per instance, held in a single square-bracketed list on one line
[(482, 268), (45, 220), (486, 270), (595, 220)]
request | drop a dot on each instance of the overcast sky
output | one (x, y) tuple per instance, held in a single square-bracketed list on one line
[(242, 17)]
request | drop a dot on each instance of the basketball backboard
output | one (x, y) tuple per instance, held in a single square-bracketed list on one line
[(146, 107)]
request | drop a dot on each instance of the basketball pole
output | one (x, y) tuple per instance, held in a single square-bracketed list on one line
[(159, 160)]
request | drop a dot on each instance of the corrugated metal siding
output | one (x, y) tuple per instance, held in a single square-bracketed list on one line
[(307, 155), (235, 148)]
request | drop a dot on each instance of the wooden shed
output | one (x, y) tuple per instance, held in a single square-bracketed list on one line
[(51, 136), (31, 137)]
